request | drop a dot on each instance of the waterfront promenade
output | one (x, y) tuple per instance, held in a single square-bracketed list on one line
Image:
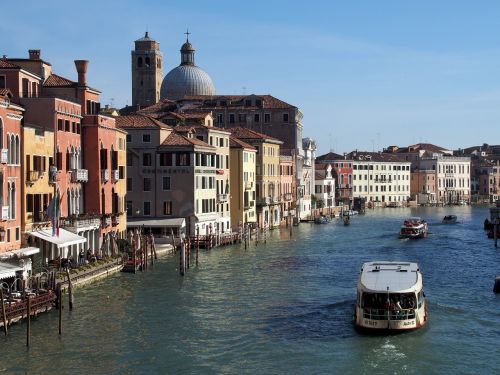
[(283, 307)]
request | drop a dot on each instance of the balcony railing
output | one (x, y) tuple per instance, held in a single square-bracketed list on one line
[(4, 156), (32, 176), (222, 197), (79, 175), (83, 221), (248, 185), (264, 201), (115, 175), (249, 205), (5, 212), (105, 175)]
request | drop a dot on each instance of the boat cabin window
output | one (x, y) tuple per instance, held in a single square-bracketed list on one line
[(384, 300)]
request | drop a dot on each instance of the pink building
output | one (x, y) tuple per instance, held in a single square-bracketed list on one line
[(10, 172)]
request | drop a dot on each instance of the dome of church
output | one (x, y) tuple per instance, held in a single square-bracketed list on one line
[(187, 78)]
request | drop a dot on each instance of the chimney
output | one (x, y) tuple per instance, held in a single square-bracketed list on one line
[(81, 68), (34, 54)]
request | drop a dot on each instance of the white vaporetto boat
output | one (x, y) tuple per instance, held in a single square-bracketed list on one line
[(414, 227), (390, 297)]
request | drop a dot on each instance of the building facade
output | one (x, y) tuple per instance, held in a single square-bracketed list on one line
[(324, 187), (381, 179), (243, 182), (288, 188), (342, 172)]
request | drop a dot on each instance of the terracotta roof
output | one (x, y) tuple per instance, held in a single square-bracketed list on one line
[(55, 80), (4, 64), (268, 101), (238, 143), (164, 105), (176, 139), (330, 156), (425, 146), (375, 156), (245, 133), (139, 121), (321, 166)]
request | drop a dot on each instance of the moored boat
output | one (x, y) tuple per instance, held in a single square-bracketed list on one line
[(321, 220), (450, 219), (390, 297), (350, 213), (414, 227)]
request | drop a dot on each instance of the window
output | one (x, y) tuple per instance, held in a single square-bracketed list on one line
[(267, 118), (285, 117), (3, 82), (231, 118), (242, 117), (129, 184), (146, 138), (166, 183), (60, 124), (147, 208), (182, 159), (121, 172), (167, 208), (256, 117), (146, 159), (67, 127), (139, 62), (147, 62), (147, 184), (220, 118), (166, 159), (129, 138), (248, 103)]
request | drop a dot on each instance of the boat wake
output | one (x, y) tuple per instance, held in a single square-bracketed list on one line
[(311, 321)]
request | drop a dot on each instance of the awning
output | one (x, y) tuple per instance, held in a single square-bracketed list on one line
[(19, 253), (8, 270), (173, 222), (64, 239)]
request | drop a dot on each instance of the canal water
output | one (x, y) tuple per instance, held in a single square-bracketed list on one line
[(281, 308)]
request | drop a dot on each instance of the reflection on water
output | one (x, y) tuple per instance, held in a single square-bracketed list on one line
[(284, 307)]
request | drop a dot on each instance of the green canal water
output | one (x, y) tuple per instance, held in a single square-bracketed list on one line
[(281, 308)]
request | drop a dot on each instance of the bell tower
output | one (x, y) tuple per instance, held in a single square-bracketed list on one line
[(147, 71)]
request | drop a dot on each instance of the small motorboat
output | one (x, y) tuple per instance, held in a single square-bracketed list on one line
[(350, 213), (414, 227), (450, 219)]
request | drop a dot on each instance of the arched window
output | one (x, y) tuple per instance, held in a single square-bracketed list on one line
[(68, 201), (18, 150), (147, 62), (139, 62), (12, 203)]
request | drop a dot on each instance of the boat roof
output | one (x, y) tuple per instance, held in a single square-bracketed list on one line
[(382, 276)]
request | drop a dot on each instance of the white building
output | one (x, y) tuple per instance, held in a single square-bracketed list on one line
[(324, 186), (380, 178), (305, 178)]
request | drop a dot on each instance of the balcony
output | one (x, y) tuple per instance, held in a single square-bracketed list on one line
[(115, 175), (32, 177), (287, 196), (264, 201), (248, 185), (222, 198), (79, 175), (4, 156), (105, 175), (83, 221), (5, 212)]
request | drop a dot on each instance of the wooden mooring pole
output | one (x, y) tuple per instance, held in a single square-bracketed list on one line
[(70, 290), (4, 315), (28, 326), (61, 304)]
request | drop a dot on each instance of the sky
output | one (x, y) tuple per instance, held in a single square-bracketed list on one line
[(365, 74)]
